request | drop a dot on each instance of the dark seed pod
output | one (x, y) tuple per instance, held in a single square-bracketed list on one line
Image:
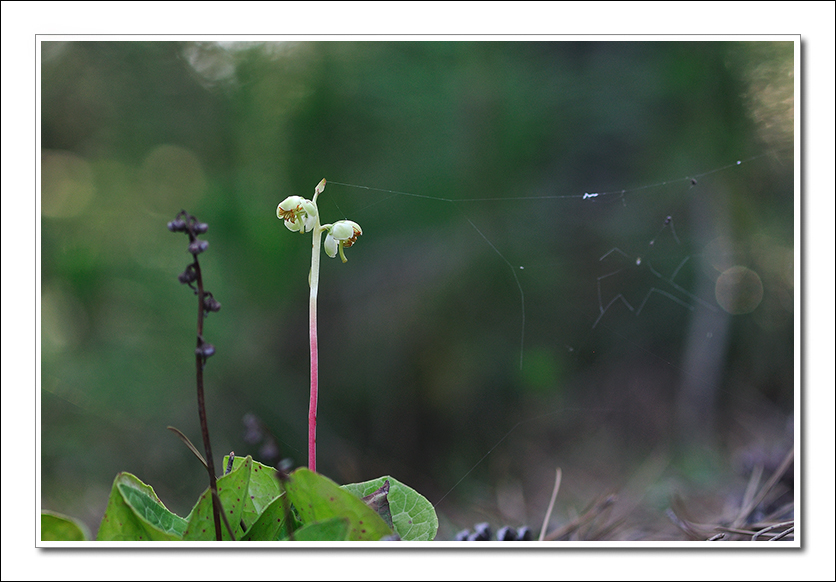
[(211, 304), (524, 534), (463, 535), (187, 276), (481, 533), (200, 227), (205, 350), (198, 246), (177, 225), (506, 534)]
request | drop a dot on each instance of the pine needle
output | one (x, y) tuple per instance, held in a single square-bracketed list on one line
[(558, 476)]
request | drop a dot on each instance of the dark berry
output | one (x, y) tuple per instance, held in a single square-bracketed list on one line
[(211, 304), (198, 246), (205, 350), (481, 533), (506, 534), (200, 227), (463, 535), (524, 534), (187, 276), (177, 225)]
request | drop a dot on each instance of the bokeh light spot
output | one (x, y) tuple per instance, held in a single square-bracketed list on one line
[(739, 290), (67, 185), (172, 175)]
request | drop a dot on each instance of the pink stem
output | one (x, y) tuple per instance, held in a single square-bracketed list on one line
[(314, 389)]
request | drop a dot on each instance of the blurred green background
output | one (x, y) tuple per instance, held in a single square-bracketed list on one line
[(420, 331)]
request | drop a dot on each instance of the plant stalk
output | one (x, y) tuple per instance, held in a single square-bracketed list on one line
[(201, 407), (314, 284)]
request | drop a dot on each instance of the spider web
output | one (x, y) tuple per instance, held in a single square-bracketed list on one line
[(665, 285), (650, 272)]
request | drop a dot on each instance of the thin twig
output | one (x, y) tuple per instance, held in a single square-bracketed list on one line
[(736, 530), (558, 476), (595, 509), (749, 494), (607, 530), (783, 534), (200, 360), (684, 525), (750, 507), (184, 222), (189, 444), (770, 528), (780, 512)]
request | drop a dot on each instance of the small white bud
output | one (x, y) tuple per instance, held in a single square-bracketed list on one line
[(341, 235)]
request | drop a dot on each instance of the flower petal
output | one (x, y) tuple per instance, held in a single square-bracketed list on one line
[(342, 230), (331, 246)]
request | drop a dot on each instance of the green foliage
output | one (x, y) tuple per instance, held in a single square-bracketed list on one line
[(304, 506), (334, 529), (233, 490), (318, 499), (274, 523), (61, 528), (134, 513), (412, 515)]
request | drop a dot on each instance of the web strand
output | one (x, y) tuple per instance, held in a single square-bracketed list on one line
[(516, 280), (585, 196)]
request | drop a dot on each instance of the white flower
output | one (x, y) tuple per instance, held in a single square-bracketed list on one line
[(341, 235), (299, 214)]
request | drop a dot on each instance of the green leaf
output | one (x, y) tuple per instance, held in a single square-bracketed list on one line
[(56, 527), (233, 492), (135, 513), (319, 499), (379, 501), (272, 524), (412, 514), (263, 489), (330, 530), (153, 512)]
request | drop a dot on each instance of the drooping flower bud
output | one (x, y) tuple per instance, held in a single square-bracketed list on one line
[(211, 304), (177, 225), (187, 276), (341, 235), (205, 350), (524, 534), (198, 246)]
